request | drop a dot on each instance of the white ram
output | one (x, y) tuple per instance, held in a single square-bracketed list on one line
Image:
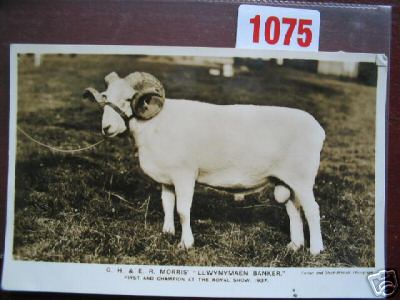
[(231, 147)]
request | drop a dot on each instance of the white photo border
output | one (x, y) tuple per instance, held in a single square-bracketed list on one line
[(107, 278)]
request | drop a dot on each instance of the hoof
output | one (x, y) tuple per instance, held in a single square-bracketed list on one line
[(293, 247), (316, 250), (184, 245), (168, 229)]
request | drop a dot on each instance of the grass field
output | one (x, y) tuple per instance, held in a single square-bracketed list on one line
[(97, 206)]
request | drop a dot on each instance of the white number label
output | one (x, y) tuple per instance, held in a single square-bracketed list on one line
[(277, 28)]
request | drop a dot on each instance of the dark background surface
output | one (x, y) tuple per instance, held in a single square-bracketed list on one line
[(359, 29)]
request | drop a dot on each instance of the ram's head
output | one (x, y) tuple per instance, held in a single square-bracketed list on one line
[(139, 95)]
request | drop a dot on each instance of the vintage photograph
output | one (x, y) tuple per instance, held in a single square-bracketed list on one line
[(195, 161)]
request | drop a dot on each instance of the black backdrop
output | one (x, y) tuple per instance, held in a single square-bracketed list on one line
[(196, 23)]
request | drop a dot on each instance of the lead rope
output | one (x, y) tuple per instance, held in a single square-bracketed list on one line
[(58, 149)]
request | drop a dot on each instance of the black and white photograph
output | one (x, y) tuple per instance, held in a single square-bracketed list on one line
[(195, 160), (206, 161)]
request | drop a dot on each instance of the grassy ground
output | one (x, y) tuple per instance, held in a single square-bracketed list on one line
[(97, 206)]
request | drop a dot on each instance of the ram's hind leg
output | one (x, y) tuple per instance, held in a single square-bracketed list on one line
[(168, 203), (282, 195), (305, 196)]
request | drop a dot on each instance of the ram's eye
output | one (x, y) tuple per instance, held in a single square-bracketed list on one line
[(104, 97)]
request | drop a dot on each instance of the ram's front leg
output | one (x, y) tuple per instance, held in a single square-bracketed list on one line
[(184, 189), (168, 202)]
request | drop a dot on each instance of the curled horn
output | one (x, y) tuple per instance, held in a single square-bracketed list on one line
[(93, 95), (149, 97)]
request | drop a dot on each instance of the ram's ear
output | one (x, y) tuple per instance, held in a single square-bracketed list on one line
[(92, 95), (147, 105), (111, 77)]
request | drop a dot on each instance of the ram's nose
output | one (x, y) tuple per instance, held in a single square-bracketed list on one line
[(105, 130)]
